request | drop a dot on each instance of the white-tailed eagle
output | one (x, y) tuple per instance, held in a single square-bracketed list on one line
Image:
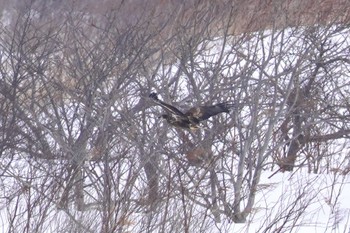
[(192, 118)]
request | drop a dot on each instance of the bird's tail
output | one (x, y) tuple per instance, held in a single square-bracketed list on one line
[(226, 106)]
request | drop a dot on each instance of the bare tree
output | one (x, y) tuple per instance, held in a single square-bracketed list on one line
[(84, 150)]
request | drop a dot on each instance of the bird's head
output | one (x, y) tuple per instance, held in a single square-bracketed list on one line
[(194, 127), (154, 96)]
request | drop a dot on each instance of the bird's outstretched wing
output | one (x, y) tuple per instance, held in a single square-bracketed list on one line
[(204, 112), (169, 108)]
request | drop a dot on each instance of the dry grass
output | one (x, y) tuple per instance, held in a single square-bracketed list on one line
[(242, 15)]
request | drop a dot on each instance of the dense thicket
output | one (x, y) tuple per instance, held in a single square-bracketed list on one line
[(83, 150)]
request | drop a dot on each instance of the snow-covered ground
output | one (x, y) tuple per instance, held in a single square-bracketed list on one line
[(323, 199)]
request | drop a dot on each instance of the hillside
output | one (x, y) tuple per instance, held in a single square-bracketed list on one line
[(85, 149)]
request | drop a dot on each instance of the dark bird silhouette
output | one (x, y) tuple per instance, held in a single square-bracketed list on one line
[(192, 118)]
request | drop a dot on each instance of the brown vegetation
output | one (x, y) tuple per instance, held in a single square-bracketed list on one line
[(83, 151)]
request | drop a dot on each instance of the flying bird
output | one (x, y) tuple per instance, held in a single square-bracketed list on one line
[(192, 118)]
